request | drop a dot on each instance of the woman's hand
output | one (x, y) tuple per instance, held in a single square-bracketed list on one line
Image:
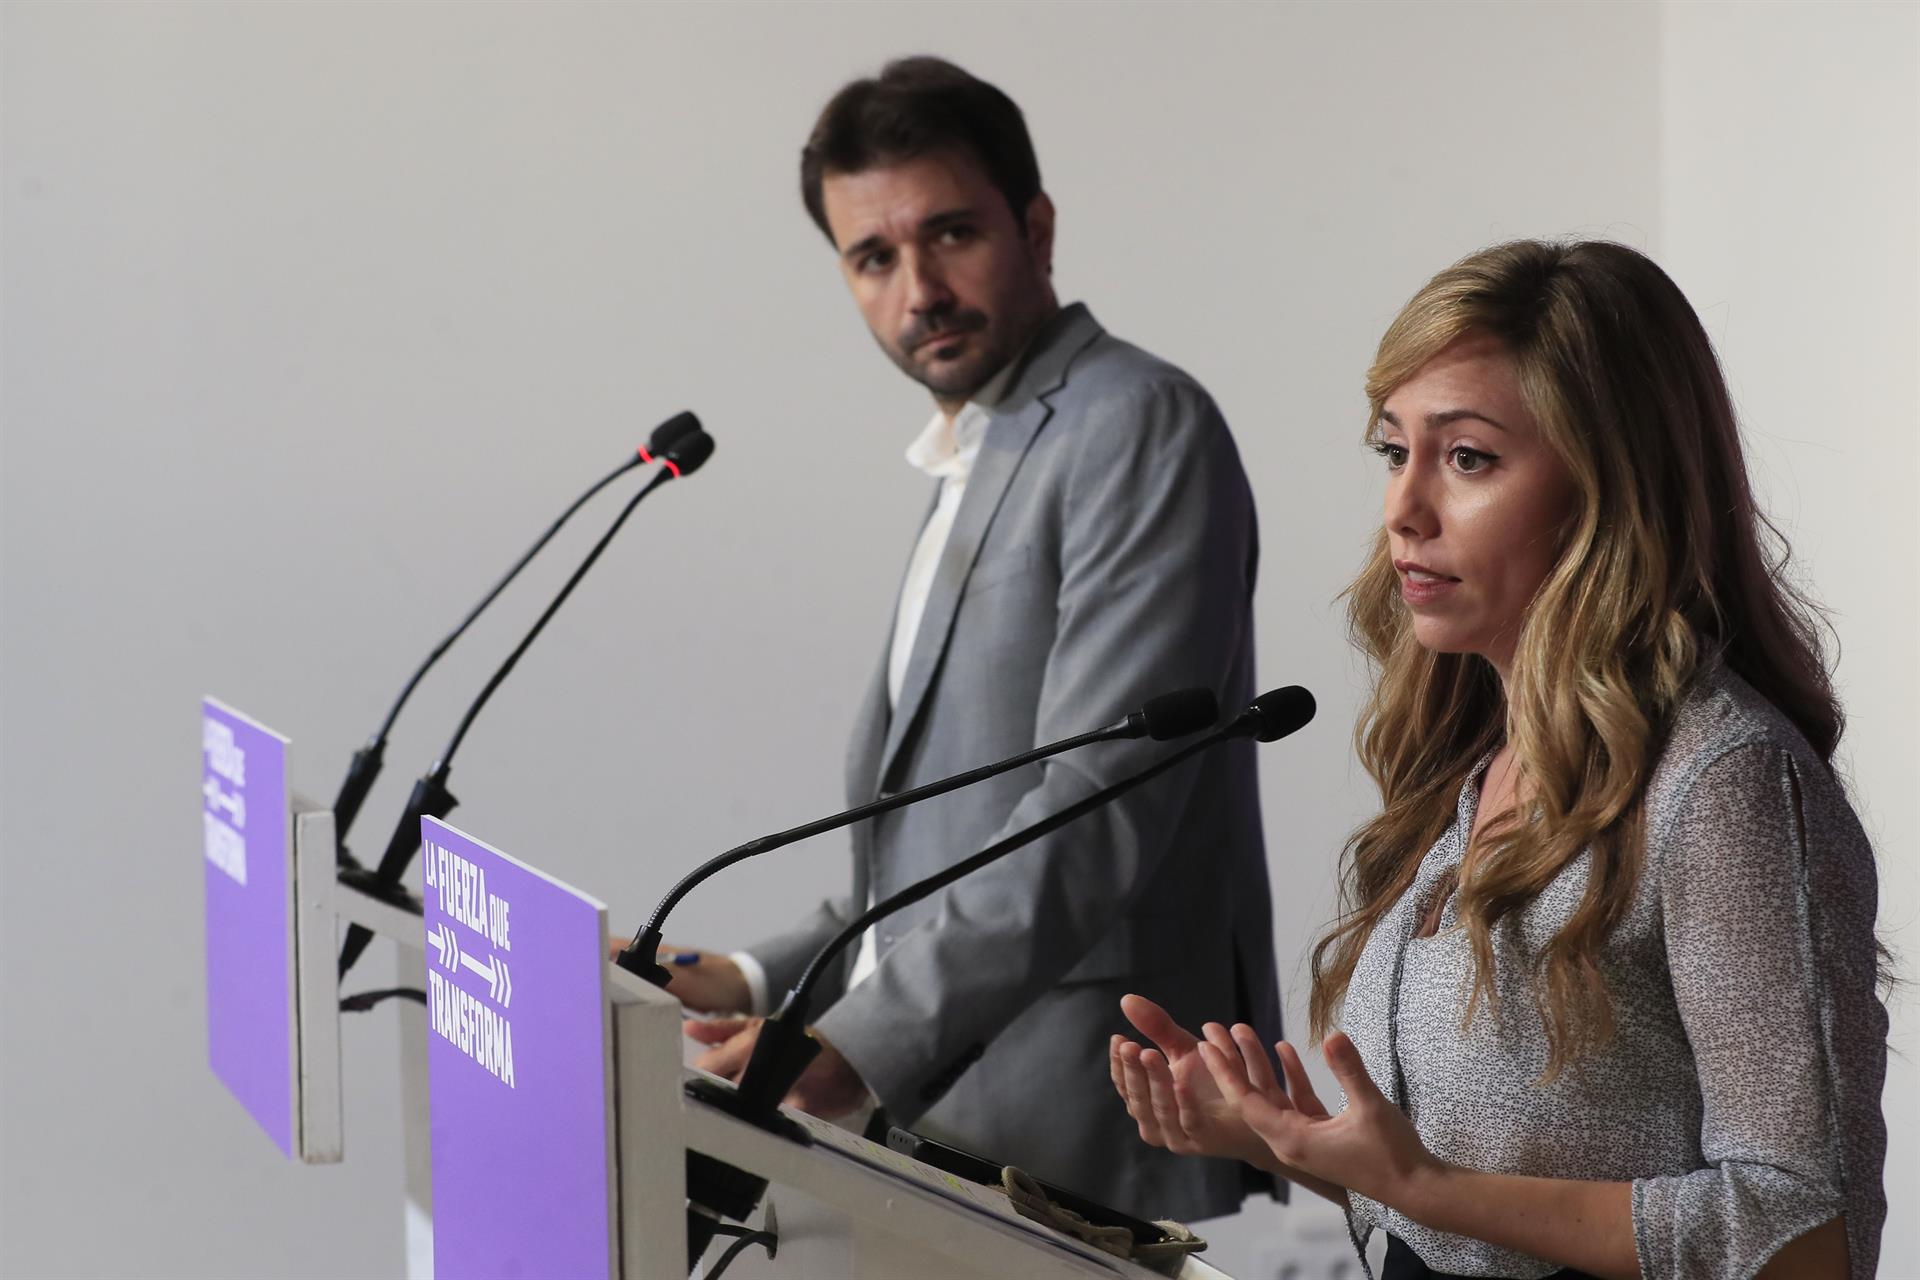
[(1371, 1147), (1171, 1095)]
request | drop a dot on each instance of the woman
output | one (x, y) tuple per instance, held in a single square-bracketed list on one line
[(1606, 966)]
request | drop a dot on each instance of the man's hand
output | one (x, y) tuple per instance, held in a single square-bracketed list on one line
[(828, 1088), (712, 984)]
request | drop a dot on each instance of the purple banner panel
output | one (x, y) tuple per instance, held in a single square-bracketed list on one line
[(247, 816), (519, 1068)]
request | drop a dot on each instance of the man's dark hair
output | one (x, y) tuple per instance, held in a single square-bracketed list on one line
[(914, 106)]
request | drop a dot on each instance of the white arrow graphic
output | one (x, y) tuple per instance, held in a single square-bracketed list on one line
[(499, 984), (235, 804), (444, 946)]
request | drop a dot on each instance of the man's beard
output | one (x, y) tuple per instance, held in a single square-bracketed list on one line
[(951, 379)]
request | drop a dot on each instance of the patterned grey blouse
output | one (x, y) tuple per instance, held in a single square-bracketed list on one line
[(1740, 1093)]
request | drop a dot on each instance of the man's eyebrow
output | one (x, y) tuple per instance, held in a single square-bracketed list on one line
[(860, 247), (932, 222), (947, 217), (1443, 417)]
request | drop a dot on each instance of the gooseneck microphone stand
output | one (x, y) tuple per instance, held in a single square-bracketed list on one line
[(785, 1046), (1171, 715), (430, 796), (367, 762)]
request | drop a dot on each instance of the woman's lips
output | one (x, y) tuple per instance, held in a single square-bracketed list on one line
[(1421, 585), (1414, 591)]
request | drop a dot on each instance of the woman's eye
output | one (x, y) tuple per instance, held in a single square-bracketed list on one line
[(1395, 454), (1470, 460)]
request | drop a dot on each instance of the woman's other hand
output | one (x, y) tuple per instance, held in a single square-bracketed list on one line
[(1371, 1147), (1171, 1095)]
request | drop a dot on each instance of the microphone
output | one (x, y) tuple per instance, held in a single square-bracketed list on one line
[(687, 453), (368, 760), (785, 1046), (1271, 717), (1171, 715)]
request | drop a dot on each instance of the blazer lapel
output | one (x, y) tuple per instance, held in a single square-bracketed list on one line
[(869, 735), (1015, 422)]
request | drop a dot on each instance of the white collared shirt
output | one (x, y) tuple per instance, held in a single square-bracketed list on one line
[(945, 449)]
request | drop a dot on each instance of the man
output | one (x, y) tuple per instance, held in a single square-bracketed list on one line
[(1091, 544)]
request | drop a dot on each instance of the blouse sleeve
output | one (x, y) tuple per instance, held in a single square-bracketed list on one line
[(1753, 966)]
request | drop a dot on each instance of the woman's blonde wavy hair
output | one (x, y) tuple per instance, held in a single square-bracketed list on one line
[(1666, 559)]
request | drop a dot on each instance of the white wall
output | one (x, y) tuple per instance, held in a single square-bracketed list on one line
[(313, 315), (1790, 213)]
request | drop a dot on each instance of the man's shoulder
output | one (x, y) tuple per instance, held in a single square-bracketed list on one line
[(1110, 403), (1110, 368), (1076, 363)]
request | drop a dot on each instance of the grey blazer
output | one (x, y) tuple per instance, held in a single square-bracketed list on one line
[(1104, 552)]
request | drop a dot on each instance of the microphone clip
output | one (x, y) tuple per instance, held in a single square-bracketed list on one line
[(781, 1052), (642, 958), (430, 799)]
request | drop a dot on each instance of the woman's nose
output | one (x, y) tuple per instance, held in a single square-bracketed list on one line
[(1410, 509)]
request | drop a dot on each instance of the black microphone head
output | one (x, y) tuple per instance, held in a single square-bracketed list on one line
[(1177, 714), (689, 453), (672, 432), (1278, 713)]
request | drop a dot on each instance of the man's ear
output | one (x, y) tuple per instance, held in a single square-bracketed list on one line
[(1040, 230)]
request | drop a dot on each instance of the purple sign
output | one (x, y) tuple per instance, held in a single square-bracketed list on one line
[(519, 1069), (247, 820)]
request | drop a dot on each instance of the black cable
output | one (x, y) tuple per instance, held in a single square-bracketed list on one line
[(747, 1239), (365, 1000)]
